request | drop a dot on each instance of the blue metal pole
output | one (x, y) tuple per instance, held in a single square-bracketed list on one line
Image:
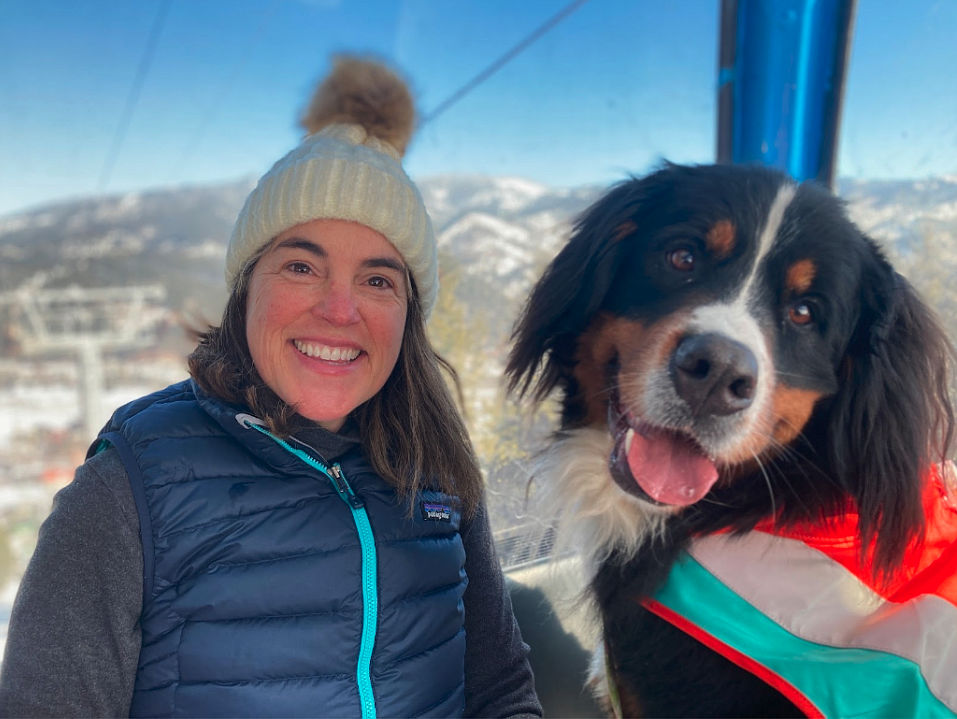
[(781, 79)]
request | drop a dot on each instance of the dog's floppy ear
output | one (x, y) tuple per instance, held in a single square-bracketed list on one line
[(571, 290), (893, 416)]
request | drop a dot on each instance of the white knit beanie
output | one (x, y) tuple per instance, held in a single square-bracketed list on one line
[(349, 168)]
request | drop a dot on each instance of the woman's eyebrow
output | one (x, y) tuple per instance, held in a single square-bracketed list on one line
[(299, 243), (388, 262)]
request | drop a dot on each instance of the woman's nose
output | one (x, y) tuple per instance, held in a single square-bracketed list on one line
[(338, 305)]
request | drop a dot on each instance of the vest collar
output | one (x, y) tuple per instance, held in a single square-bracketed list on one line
[(236, 420)]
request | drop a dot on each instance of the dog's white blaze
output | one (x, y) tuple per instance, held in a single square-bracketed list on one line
[(594, 516), (768, 234), (733, 321), (740, 318)]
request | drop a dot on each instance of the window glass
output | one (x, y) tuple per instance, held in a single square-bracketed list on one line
[(130, 134), (898, 153)]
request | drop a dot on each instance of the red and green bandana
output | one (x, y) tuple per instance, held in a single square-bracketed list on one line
[(798, 609)]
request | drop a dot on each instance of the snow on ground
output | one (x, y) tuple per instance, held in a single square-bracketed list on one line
[(27, 407)]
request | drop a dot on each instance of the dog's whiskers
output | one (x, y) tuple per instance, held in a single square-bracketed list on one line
[(767, 479), (781, 373), (708, 499)]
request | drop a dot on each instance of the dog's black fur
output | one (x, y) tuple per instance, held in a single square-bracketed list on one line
[(845, 393)]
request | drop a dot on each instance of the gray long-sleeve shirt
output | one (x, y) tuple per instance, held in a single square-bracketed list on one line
[(74, 637)]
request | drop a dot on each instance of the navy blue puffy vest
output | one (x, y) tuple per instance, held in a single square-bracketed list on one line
[(258, 597)]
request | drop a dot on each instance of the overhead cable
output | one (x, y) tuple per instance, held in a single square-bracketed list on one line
[(502, 61), (133, 96), (189, 150)]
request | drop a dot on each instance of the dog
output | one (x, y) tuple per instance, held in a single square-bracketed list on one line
[(741, 373)]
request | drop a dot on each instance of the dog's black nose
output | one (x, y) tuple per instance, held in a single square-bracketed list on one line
[(714, 374)]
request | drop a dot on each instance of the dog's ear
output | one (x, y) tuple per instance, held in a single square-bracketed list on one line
[(571, 290), (893, 416)]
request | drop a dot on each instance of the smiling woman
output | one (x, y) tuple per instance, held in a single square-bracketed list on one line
[(300, 528)]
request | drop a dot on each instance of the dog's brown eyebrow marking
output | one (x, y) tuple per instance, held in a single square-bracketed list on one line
[(720, 239), (624, 229), (800, 276)]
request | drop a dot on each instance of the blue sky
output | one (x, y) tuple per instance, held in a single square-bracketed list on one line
[(612, 89)]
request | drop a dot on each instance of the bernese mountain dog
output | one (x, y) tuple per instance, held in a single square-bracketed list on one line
[(732, 354)]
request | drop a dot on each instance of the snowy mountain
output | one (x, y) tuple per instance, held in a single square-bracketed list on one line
[(173, 237), (498, 232), (900, 212)]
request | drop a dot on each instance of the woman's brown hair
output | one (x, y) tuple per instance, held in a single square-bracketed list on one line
[(411, 430)]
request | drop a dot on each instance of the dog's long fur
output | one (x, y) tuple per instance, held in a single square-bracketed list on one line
[(840, 401)]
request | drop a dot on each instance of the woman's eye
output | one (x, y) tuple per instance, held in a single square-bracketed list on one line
[(380, 282), (299, 268), (801, 314), (681, 259)]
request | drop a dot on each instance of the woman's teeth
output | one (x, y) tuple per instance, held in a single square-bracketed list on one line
[(334, 354)]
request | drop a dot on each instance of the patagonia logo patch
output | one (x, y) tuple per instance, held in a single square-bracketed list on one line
[(433, 512)]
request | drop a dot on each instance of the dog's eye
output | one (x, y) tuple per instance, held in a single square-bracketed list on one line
[(801, 314), (681, 259)]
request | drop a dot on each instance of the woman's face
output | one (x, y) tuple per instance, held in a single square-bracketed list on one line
[(325, 317)]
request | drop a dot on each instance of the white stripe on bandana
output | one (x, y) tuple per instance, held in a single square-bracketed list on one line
[(815, 598)]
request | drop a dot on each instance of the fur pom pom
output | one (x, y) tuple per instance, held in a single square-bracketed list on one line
[(363, 92)]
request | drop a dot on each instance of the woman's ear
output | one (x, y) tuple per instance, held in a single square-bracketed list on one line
[(571, 290), (893, 417)]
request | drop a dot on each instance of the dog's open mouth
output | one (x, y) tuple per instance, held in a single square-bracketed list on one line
[(663, 466)]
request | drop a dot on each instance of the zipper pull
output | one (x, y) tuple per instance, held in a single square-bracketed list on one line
[(343, 487)]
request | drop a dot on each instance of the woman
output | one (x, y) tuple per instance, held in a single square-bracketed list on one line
[(297, 530)]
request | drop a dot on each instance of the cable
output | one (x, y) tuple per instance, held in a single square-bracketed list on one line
[(134, 94), (502, 61), (190, 149)]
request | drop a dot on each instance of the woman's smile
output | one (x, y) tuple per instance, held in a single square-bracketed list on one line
[(340, 355)]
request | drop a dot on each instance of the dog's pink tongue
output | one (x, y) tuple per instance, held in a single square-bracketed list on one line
[(669, 469)]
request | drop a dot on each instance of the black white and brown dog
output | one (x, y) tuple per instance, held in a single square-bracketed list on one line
[(733, 354)]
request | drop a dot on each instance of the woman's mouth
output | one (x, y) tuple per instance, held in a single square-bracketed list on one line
[(326, 352)]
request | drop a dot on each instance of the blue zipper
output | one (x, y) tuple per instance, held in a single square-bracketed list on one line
[(370, 597)]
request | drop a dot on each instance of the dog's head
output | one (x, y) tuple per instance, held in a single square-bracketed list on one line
[(745, 344)]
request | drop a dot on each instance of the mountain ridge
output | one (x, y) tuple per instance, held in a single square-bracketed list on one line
[(500, 230)]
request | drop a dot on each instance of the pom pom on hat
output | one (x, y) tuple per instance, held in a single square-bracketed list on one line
[(360, 119), (362, 92)]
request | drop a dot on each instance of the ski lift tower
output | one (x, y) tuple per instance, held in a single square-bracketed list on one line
[(86, 321)]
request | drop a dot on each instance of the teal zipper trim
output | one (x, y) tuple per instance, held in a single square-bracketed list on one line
[(370, 597)]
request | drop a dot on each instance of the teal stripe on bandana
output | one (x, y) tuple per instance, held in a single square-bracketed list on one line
[(841, 682)]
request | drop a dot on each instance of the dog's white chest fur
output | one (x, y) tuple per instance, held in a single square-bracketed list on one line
[(593, 516)]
